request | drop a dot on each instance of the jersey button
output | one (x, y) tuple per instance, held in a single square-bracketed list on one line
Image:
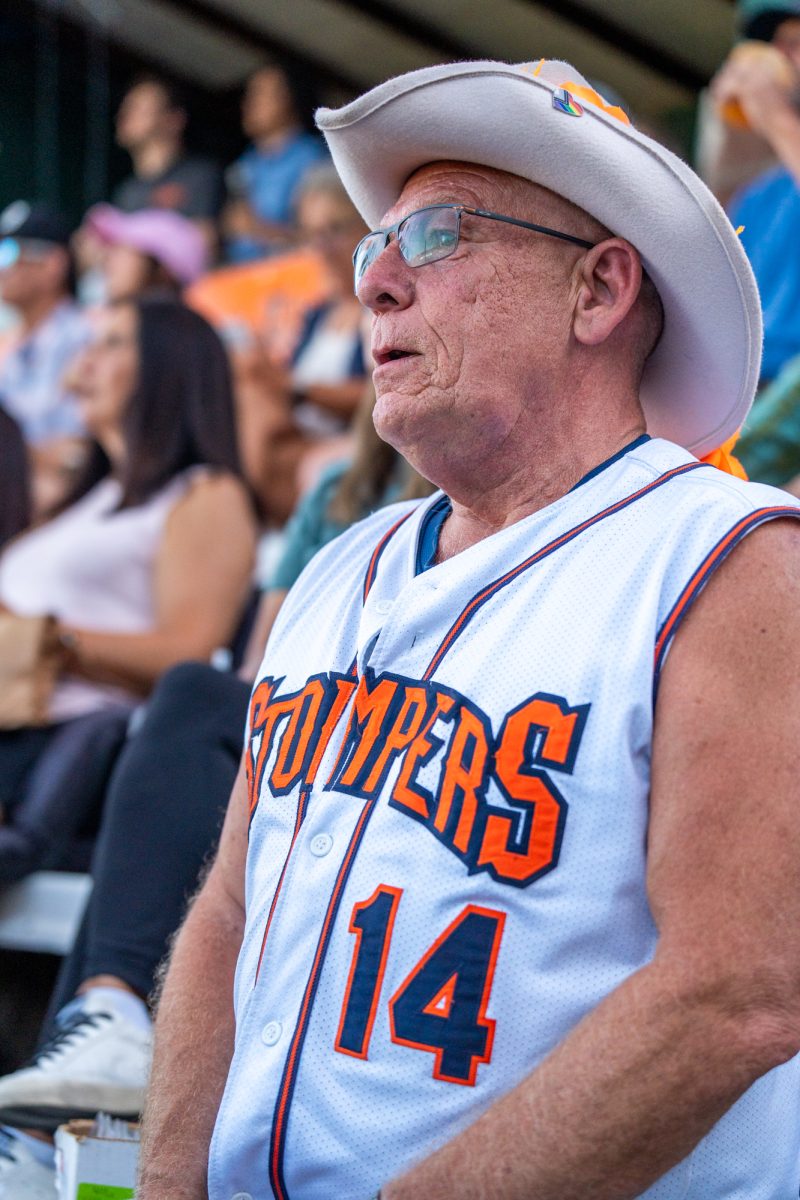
[(242, 1196), (321, 845), (270, 1034), (383, 607)]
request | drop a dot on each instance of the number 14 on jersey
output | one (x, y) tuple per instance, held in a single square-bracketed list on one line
[(441, 1004)]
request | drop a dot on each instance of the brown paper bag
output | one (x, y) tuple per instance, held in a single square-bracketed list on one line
[(30, 656)]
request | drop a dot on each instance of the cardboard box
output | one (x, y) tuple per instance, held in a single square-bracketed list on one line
[(96, 1160)]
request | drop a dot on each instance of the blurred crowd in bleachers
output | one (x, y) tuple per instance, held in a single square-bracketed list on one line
[(185, 419)]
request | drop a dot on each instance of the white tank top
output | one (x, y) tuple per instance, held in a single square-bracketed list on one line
[(93, 568), (449, 778)]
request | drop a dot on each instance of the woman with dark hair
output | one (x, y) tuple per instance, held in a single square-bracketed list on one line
[(96, 1043), (15, 497), (146, 564)]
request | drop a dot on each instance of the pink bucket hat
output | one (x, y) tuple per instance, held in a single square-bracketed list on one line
[(543, 121), (172, 240)]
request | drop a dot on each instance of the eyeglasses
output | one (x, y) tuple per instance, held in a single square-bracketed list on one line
[(12, 250), (432, 233)]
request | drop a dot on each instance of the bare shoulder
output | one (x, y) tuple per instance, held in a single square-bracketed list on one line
[(727, 719), (749, 607), (723, 835), (214, 498), (211, 489)]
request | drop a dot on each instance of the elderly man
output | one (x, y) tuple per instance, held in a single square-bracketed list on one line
[(510, 870)]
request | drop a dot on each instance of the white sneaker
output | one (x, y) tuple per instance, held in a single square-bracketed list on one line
[(21, 1176), (97, 1060)]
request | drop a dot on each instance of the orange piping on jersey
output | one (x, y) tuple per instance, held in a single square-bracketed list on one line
[(302, 804), (378, 551), (703, 572), (278, 1129), (488, 592)]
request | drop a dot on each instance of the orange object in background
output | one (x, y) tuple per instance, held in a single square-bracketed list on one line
[(724, 459), (264, 300), (772, 60)]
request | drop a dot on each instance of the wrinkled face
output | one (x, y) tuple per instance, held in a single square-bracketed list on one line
[(331, 225), (469, 348), (267, 104), (104, 376), (787, 39)]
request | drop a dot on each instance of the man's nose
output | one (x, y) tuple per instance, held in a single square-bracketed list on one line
[(387, 283)]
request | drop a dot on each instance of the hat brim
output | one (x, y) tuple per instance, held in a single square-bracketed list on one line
[(699, 383)]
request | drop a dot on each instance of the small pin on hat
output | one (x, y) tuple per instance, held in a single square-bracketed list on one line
[(565, 102)]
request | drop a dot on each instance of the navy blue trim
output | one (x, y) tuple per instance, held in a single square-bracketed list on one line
[(431, 525), (429, 532), (300, 816), (703, 574), (482, 597), (377, 554), (289, 1078), (639, 441)]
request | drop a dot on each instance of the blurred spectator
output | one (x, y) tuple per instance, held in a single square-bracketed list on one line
[(759, 87), (769, 446), (151, 123), (346, 491), (262, 183), (15, 501), (328, 370), (148, 563), (182, 761), (146, 253), (37, 282), (300, 411)]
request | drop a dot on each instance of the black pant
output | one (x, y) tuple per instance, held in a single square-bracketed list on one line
[(52, 782), (161, 822)]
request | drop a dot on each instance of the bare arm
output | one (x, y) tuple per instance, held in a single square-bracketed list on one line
[(195, 1025), (202, 579), (769, 103), (636, 1085), (342, 399)]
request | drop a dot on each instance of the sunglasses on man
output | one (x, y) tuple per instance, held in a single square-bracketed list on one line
[(431, 233)]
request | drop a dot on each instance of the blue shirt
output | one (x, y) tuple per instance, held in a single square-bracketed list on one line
[(32, 375), (269, 180), (769, 209)]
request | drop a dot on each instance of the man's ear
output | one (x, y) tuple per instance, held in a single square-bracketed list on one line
[(608, 279)]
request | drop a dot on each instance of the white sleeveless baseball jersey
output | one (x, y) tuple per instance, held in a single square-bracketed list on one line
[(449, 778)]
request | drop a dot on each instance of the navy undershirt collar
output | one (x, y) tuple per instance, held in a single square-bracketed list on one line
[(437, 514)]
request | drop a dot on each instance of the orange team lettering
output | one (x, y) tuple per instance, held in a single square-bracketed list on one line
[(393, 718)]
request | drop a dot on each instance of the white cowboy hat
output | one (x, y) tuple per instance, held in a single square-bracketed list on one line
[(545, 123)]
